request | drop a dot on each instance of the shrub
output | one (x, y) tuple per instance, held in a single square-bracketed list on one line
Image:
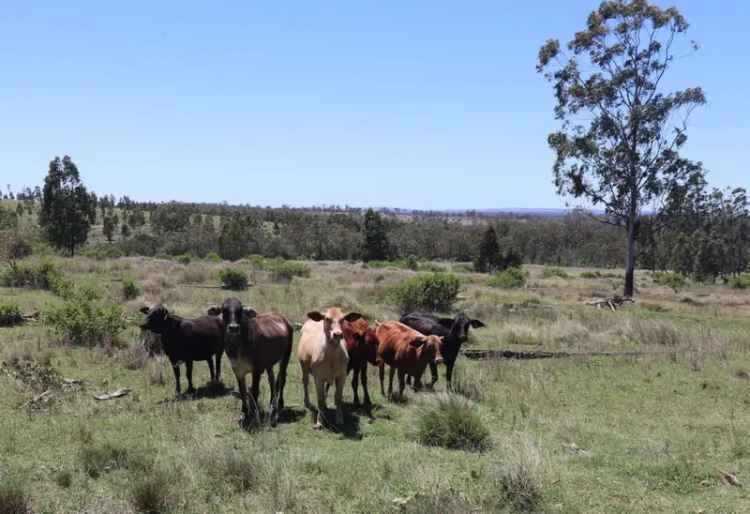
[(511, 278), (430, 266), (591, 274), (152, 492), (233, 279), (14, 498), (183, 259), (213, 257), (284, 271), (452, 423), (64, 478), (462, 268), (554, 271), (83, 318), (434, 292), (10, 314), (739, 281), (521, 478), (412, 263), (101, 457), (130, 289), (675, 281), (39, 276)]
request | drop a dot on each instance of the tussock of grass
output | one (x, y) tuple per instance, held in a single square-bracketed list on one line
[(153, 492), (452, 422), (239, 468), (14, 496), (101, 457), (521, 476)]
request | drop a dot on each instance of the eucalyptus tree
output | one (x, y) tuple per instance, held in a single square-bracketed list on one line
[(621, 133)]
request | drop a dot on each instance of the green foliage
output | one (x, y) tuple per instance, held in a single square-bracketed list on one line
[(739, 281), (240, 236), (284, 271), (462, 268), (554, 272), (98, 457), (433, 292), (213, 257), (511, 278), (676, 281), (233, 279), (102, 251), (452, 422), (68, 210), (412, 263), (591, 274), (14, 495), (42, 275), (109, 226), (489, 256), (375, 245), (10, 313), (130, 289), (183, 259), (83, 318)]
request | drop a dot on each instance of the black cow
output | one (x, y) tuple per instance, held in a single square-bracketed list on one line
[(453, 331), (254, 344), (187, 340)]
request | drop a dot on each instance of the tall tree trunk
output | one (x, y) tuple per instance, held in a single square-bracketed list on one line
[(630, 261)]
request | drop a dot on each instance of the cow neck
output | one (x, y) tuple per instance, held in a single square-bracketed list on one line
[(173, 322)]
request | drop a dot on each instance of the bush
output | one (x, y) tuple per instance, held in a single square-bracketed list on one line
[(152, 492), (83, 318), (739, 281), (183, 259), (130, 289), (284, 271), (40, 276), (554, 271), (591, 274), (511, 278), (213, 257), (433, 292), (452, 423), (412, 263), (10, 314), (233, 279), (14, 498), (675, 281), (462, 268)]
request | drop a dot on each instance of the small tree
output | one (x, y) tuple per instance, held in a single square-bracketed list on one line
[(376, 246), (618, 145), (67, 208), (489, 257), (125, 231), (110, 226)]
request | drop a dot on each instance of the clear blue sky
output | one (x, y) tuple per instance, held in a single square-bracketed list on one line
[(421, 104)]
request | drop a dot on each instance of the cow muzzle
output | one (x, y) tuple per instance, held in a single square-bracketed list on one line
[(439, 359), (233, 329)]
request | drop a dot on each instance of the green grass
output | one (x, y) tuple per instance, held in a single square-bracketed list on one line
[(594, 435)]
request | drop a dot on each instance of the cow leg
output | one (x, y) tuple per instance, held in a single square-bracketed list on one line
[(355, 385), (306, 385), (274, 398), (391, 372), (242, 386), (218, 367), (401, 383), (381, 374), (320, 389), (339, 397), (281, 382), (449, 374), (211, 369), (363, 374), (255, 392), (176, 370), (189, 373), (434, 373)]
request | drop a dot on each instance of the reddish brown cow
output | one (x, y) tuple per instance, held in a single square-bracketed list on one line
[(405, 350), (362, 346)]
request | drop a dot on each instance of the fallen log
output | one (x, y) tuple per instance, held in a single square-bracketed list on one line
[(479, 354), (613, 303)]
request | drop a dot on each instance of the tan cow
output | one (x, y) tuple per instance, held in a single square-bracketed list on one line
[(322, 353)]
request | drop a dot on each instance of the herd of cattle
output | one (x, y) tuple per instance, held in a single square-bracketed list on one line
[(331, 345)]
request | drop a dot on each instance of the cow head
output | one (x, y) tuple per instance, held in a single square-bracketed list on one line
[(359, 335), (428, 348), (332, 321), (459, 327), (157, 319), (235, 317)]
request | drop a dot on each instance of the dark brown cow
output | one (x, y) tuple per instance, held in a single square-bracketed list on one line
[(254, 344), (405, 350), (187, 340), (362, 346)]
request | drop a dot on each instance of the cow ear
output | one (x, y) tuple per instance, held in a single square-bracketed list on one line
[(144, 310), (250, 313), (417, 342), (475, 323), (352, 316), (315, 316), (213, 311), (446, 322)]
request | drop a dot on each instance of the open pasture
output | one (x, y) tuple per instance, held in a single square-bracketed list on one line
[(647, 434)]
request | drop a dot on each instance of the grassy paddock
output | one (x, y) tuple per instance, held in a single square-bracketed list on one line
[(578, 435)]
